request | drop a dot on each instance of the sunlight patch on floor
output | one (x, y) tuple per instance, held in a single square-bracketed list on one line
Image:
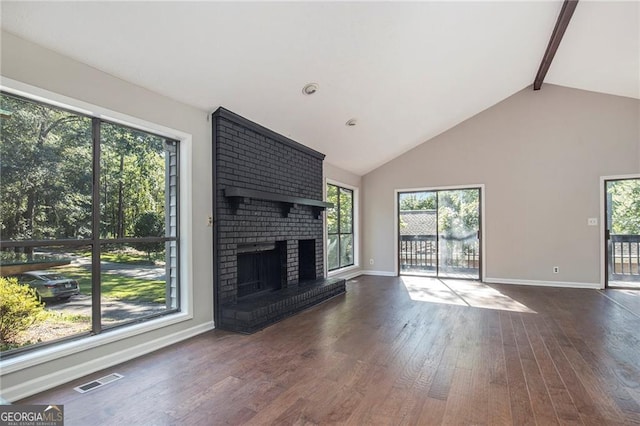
[(460, 292), (624, 284), (431, 290)]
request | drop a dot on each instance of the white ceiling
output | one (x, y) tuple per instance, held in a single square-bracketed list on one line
[(405, 71)]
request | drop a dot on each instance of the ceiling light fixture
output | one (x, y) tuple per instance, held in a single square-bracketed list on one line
[(310, 89), (351, 122)]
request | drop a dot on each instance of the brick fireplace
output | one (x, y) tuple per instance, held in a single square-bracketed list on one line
[(268, 234)]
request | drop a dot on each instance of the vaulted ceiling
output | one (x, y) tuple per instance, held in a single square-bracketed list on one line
[(405, 71)]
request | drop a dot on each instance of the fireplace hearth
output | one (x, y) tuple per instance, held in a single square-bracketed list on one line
[(268, 232)]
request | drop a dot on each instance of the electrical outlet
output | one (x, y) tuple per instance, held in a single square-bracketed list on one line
[(556, 269), (370, 261), (210, 221), (592, 221)]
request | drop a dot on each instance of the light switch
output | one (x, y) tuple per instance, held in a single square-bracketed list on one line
[(592, 221)]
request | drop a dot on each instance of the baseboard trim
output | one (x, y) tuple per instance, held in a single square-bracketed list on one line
[(379, 273), (563, 284), (61, 377)]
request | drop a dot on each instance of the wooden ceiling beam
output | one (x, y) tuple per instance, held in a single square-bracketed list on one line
[(568, 7)]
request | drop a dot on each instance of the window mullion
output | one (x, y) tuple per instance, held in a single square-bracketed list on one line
[(96, 315)]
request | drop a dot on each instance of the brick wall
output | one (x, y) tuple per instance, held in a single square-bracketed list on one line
[(252, 157)]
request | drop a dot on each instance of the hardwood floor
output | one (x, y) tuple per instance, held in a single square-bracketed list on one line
[(394, 351)]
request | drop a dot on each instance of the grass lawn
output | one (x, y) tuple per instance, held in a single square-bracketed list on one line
[(119, 287), (130, 256)]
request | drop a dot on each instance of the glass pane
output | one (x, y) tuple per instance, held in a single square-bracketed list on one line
[(346, 211), (623, 223), (51, 286), (134, 281), (346, 250), (45, 172), (332, 213), (132, 183), (332, 252), (418, 232), (458, 225)]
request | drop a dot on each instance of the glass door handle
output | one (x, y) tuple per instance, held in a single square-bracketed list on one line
[(607, 234)]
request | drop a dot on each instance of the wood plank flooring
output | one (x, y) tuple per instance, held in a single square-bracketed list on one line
[(400, 351)]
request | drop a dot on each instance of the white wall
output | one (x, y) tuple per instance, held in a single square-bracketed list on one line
[(340, 175), (540, 155), (31, 64)]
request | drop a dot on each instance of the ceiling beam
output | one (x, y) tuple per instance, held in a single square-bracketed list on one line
[(568, 7)]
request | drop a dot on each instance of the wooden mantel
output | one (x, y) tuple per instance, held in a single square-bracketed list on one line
[(237, 196)]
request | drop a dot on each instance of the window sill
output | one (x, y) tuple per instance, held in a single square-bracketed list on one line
[(50, 353), (347, 270)]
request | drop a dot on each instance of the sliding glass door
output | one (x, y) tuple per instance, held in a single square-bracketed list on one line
[(439, 233), (622, 228)]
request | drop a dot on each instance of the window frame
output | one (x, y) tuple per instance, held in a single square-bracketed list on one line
[(354, 228), (21, 358)]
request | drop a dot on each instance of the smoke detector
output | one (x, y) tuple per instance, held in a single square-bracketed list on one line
[(310, 89)]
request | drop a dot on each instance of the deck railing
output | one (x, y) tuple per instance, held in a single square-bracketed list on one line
[(624, 257), (419, 252)]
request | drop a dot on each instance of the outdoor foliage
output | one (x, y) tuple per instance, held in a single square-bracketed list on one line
[(149, 224), (625, 206), (339, 227), (458, 210), (418, 201), (132, 179), (46, 174), (458, 213), (19, 309)]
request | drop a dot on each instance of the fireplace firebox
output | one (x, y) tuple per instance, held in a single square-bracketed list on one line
[(259, 268), (306, 260)]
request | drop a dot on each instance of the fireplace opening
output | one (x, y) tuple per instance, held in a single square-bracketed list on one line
[(306, 260), (260, 268)]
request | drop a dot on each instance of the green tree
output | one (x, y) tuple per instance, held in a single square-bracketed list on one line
[(149, 224), (45, 172), (418, 201), (458, 213), (457, 209), (624, 196), (132, 178)]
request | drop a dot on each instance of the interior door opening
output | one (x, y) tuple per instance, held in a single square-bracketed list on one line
[(622, 233), (439, 233)]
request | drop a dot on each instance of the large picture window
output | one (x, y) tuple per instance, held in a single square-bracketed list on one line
[(88, 224), (340, 241)]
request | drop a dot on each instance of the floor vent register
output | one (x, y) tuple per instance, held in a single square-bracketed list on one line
[(95, 384)]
